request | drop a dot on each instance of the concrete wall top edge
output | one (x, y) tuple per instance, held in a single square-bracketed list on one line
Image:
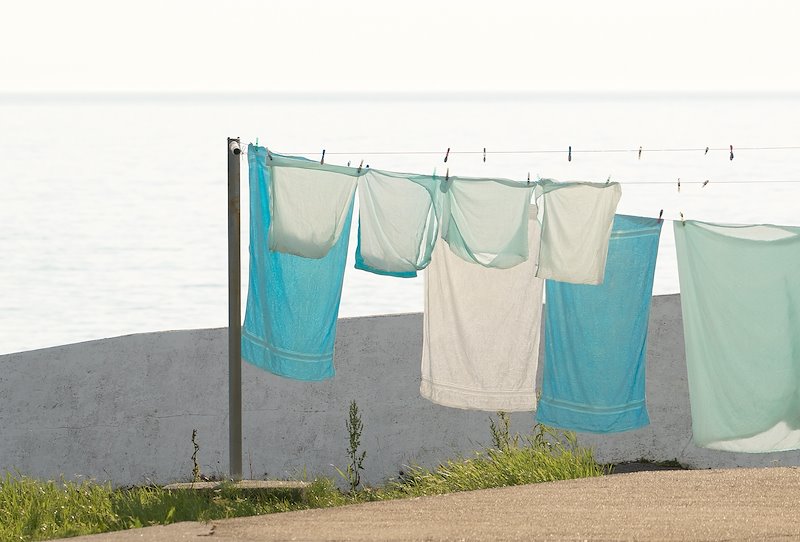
[(144, 334)]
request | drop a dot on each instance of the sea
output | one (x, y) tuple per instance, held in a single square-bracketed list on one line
[(113, 207)]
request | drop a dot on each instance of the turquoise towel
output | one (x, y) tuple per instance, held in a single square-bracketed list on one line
[(596, 338), (292, 302), (740, 297)]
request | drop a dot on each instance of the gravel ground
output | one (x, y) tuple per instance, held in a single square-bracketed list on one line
[(750, 504)]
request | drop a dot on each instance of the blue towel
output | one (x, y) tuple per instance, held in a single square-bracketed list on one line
[(292, 302), (596, 338)]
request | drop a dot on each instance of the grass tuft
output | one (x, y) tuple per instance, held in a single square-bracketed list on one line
[(546, 455), (36, 510)]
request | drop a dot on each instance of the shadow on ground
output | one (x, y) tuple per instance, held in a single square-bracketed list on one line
[(643, 466)]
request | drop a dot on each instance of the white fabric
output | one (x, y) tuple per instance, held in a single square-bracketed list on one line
[(576, 228), (398, 220), (309, 204), (481, 331), (484, 220)]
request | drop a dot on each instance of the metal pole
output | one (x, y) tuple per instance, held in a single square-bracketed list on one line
[(234, 313)]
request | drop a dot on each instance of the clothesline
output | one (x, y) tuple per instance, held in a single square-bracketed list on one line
[(703, 182), (551, 151), (712, 182)]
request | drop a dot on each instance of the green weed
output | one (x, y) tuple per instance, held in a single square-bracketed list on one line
[(354, 427)]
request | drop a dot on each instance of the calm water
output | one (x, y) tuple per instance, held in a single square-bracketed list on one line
[(113, 209)]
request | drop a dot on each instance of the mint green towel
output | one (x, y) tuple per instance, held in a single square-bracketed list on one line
[(740, 295), (398, 222), (485, 221)]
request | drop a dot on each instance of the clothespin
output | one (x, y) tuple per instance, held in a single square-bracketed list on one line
[(256, 142), (569, 154), (446, 175), (704, 183), (484, 154), (322, 160), (447, 154), (660, 214), (706, 151), (608, 180), (269, 154), (529, 178), (731, 152), (679, 184), (348, 163), (640, 152), (683, 219), (359, 166)]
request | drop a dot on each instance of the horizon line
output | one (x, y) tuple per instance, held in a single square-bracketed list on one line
[(381, 95)]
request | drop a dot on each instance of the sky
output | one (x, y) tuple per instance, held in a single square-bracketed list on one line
[(422, 46)]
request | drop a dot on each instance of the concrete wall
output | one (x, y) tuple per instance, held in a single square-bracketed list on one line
[(123, 409)]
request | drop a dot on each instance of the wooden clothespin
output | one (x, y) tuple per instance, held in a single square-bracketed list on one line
[(447, 154), (679, 184), (608, 180), (706, 151), (360, 165), (322, 160), (704, 183), (731, 152), (683, 219), (529, 178), (447, 175), (569, 154), (660, 214), (484, 154), (348, 163), (640, 152)]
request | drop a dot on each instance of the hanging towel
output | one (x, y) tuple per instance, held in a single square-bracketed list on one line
[(292, 302), (576, 225), (481, 331), (485, 221), (397, 222), (310, 204), (740, 297), (596, 338)]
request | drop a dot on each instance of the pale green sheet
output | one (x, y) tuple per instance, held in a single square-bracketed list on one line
[(740, 294)]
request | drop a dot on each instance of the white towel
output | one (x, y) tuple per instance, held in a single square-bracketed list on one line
[(309, 204), (481, 331), (576, 228)]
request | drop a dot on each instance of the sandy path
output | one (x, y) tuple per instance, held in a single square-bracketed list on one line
[(661, 505)]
